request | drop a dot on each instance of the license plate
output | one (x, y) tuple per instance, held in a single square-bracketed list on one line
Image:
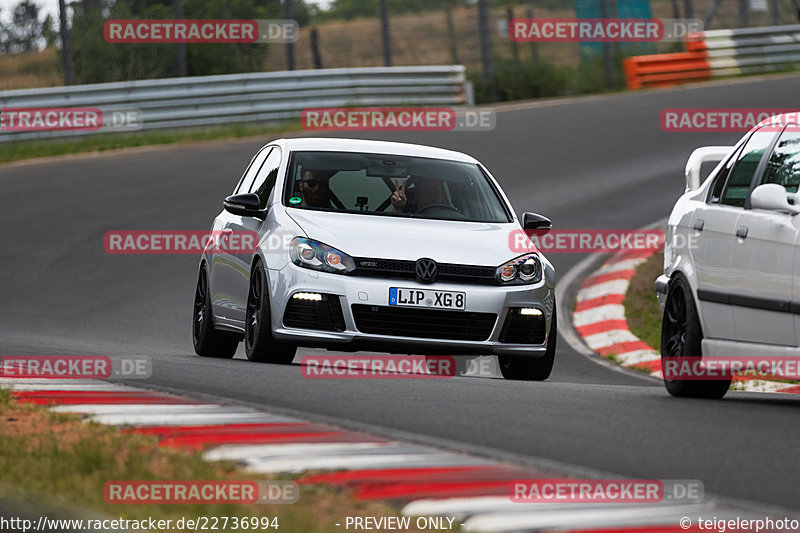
[(427, 298)]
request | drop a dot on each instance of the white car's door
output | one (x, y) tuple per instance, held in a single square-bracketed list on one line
[(765, 256), (227, 298), (715, 226), (262, 186)]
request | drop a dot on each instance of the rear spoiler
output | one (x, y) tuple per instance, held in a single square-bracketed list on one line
[(696, 160)]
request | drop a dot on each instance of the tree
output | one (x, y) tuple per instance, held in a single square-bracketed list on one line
[(25, 32)]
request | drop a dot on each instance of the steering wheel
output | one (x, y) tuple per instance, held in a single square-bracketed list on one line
[(437, 206)]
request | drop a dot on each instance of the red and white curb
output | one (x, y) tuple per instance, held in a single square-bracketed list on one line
[(599, 319), (422, 480)]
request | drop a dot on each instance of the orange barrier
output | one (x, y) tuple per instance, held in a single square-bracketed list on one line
[(662, 70)]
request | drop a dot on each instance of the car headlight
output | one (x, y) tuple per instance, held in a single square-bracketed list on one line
[(522, 270), (315, 255)]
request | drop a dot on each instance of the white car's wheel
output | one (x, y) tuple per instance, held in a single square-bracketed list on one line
[(681, 336), (208, 342), (259, 344)]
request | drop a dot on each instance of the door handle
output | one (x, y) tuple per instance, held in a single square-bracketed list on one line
[(699, 225), (741, 232)]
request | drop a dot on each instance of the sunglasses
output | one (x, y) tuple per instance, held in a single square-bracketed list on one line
[(315, 183)]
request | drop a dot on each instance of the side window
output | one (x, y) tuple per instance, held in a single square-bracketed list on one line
[(742, 174), (249, 175), (715, 194), (266, 177), (784, 164)]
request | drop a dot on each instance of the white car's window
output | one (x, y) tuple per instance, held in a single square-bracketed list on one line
[(741, 177), (265, 179), (721, 179), (249, 175), (367, 183), (783, 166)]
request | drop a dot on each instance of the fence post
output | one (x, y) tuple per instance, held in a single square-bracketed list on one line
[(608, 61), (688, 11), (387, 40), (180, 48), (290, 44), (66, 54), (534, 47), (451, 33), (514, 47), (486, 49), (315, 48)]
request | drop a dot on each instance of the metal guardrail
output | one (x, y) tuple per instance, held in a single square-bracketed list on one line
[(719, 53), (746, 50), (270, 97)]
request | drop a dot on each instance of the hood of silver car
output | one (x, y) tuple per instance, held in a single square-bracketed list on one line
[(387, 237)]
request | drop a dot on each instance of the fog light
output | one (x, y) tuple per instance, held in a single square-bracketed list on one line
[(530, 311), (316, 297)]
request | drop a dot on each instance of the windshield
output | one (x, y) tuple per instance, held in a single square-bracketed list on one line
[(392, 185)]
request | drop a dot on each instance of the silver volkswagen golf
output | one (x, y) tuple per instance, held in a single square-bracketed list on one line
[(370, 245)]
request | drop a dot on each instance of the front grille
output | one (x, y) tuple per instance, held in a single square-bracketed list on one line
[(400, 269), (325, 314), (424, 323), (523, 329)]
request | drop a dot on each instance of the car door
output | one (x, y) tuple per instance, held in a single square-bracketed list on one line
[(225, 270), (714, 226), (765, 256), (262, 185)]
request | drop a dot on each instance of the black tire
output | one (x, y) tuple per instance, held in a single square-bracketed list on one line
[(208, 342), (681, 336), (259, 344), (532, 368)]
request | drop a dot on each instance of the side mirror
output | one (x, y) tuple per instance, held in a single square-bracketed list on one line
[(773, 197), (246, 205), (532, 221)]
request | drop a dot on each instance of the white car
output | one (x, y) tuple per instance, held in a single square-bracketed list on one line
[(731, 282), (376, 246)]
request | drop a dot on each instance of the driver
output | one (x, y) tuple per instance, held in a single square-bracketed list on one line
[(428, 192), (315, 189)]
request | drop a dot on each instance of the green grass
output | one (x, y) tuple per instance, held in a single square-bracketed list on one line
[(641, 304), (20, 150), (54, 463)]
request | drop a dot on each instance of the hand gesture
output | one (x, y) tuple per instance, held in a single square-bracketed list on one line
[(399, 199)]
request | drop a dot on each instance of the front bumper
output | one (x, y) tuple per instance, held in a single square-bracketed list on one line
[(375, 292), (662, 282)]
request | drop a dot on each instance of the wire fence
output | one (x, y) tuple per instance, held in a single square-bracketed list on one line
[(32, 53)]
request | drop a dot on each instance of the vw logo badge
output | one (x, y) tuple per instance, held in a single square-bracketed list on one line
[(426, 269)]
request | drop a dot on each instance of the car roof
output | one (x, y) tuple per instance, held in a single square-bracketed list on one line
[(372, 147)]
